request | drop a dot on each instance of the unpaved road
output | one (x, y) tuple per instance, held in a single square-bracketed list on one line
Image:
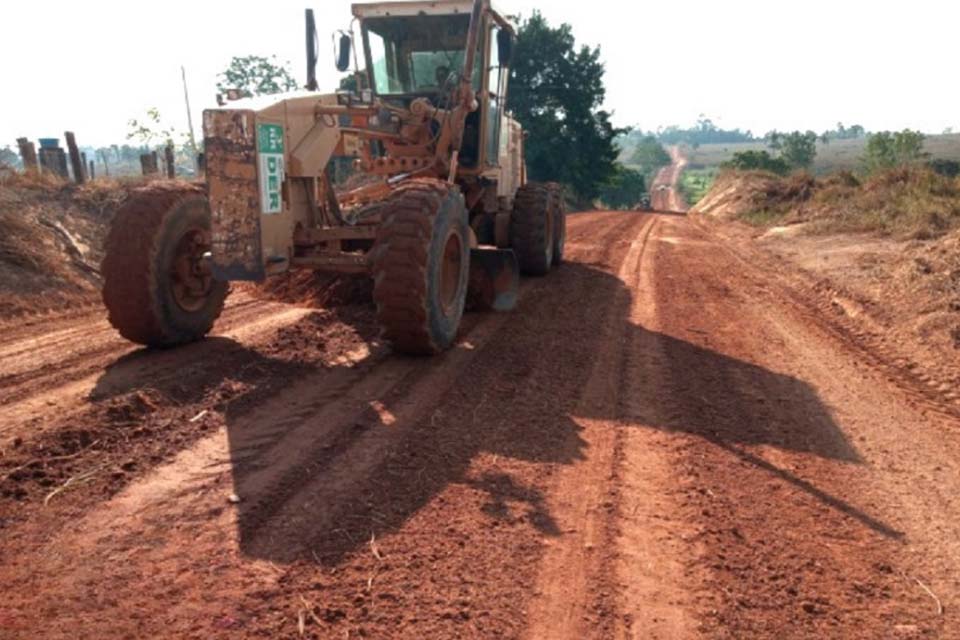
[(663, 441)]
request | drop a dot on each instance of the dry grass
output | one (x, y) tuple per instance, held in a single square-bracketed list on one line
[(907, 202)]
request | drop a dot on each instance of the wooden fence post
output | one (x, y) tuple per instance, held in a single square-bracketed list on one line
[(76, 163), (28, 153), (93, 171), (148, 163), (106, 167), (171, 167)]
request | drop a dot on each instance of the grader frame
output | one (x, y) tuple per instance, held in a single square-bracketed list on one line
[(444, 210)]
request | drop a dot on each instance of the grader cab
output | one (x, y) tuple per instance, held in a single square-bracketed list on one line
[(444, 215)]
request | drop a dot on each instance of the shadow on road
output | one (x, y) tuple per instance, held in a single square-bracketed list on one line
[(515, 399)]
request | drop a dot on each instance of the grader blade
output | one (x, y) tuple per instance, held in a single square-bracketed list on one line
[(494, 280)]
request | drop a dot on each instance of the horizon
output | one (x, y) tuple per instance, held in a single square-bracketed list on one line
[(135, 72)]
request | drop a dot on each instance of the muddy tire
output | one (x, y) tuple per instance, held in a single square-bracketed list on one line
[(421, 262), (157, 289), (533, 229), (559, 224)]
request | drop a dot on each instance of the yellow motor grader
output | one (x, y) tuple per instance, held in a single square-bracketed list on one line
[(445, 214)]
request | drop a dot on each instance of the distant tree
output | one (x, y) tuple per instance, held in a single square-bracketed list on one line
[(650, 154), (774, 140), (844, 133), (705, 131), (150, 130), (623, 189), (948, 131), (886, 150), (555, 92), (256, 76), (799, 149), (9, 157), (946, 168), (757, 161)]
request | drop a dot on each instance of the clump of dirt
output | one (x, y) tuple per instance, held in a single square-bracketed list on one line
[(51, 241), (317, 290)]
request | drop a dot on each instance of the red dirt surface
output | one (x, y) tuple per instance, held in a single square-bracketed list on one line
[(669, 438)]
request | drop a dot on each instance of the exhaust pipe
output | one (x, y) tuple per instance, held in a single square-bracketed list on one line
[(313, 50)]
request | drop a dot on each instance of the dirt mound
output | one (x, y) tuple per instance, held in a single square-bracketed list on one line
[(736, 193), (909, 202), (317, 290), (51, 239)]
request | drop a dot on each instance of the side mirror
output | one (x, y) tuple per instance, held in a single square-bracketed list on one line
[(342, 52), (504, 47)]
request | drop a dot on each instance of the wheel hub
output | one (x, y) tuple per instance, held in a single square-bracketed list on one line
[(190, 274)]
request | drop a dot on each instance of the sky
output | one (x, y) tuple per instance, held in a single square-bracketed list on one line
[(753, 64)]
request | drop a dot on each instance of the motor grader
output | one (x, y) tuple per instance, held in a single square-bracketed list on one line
[(445, 213)]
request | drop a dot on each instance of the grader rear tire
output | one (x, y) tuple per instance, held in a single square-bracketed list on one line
[(533, 227), (421, 263), (157, 288)]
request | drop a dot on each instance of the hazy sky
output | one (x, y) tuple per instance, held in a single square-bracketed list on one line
[(756, 64)]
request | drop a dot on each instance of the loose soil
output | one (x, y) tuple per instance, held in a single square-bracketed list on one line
[(673, 436)]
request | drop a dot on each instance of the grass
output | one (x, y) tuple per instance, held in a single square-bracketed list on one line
[(838, 155), (908, 202), (763, 217), (695, 183)]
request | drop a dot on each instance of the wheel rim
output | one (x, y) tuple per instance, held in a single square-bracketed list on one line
[(190, 274), (450, 273)]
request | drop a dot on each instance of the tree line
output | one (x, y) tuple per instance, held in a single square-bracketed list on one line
[(798, 150)]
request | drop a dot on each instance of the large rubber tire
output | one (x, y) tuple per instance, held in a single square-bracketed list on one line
[(137, 267), (421, 263), (559, 223), (532, 228)]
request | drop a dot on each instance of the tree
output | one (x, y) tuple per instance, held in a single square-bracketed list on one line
[(886, 150), (757, 161), (623, 189), (9, 157), (797, 149), (151, 130), (703, 132), (649, 154), (555, 92), (256, 76)]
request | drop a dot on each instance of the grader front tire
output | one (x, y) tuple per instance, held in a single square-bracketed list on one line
[(421, 265), (157, 288)]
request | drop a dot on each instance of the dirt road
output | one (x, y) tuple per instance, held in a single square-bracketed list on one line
[(663, 441)]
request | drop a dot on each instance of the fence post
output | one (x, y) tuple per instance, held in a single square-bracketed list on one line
[(93, 171), (28, 153), (76, 162), (106, 167), (148, 163), (171, 167)]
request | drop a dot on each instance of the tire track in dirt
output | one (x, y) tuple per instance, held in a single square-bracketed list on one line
[(574, 592), (781, 447), (37, 377), (378, 408)]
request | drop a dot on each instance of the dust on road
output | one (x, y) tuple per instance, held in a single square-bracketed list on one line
[(661, 442)]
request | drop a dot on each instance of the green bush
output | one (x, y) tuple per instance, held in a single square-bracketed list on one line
[(757, 161)]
